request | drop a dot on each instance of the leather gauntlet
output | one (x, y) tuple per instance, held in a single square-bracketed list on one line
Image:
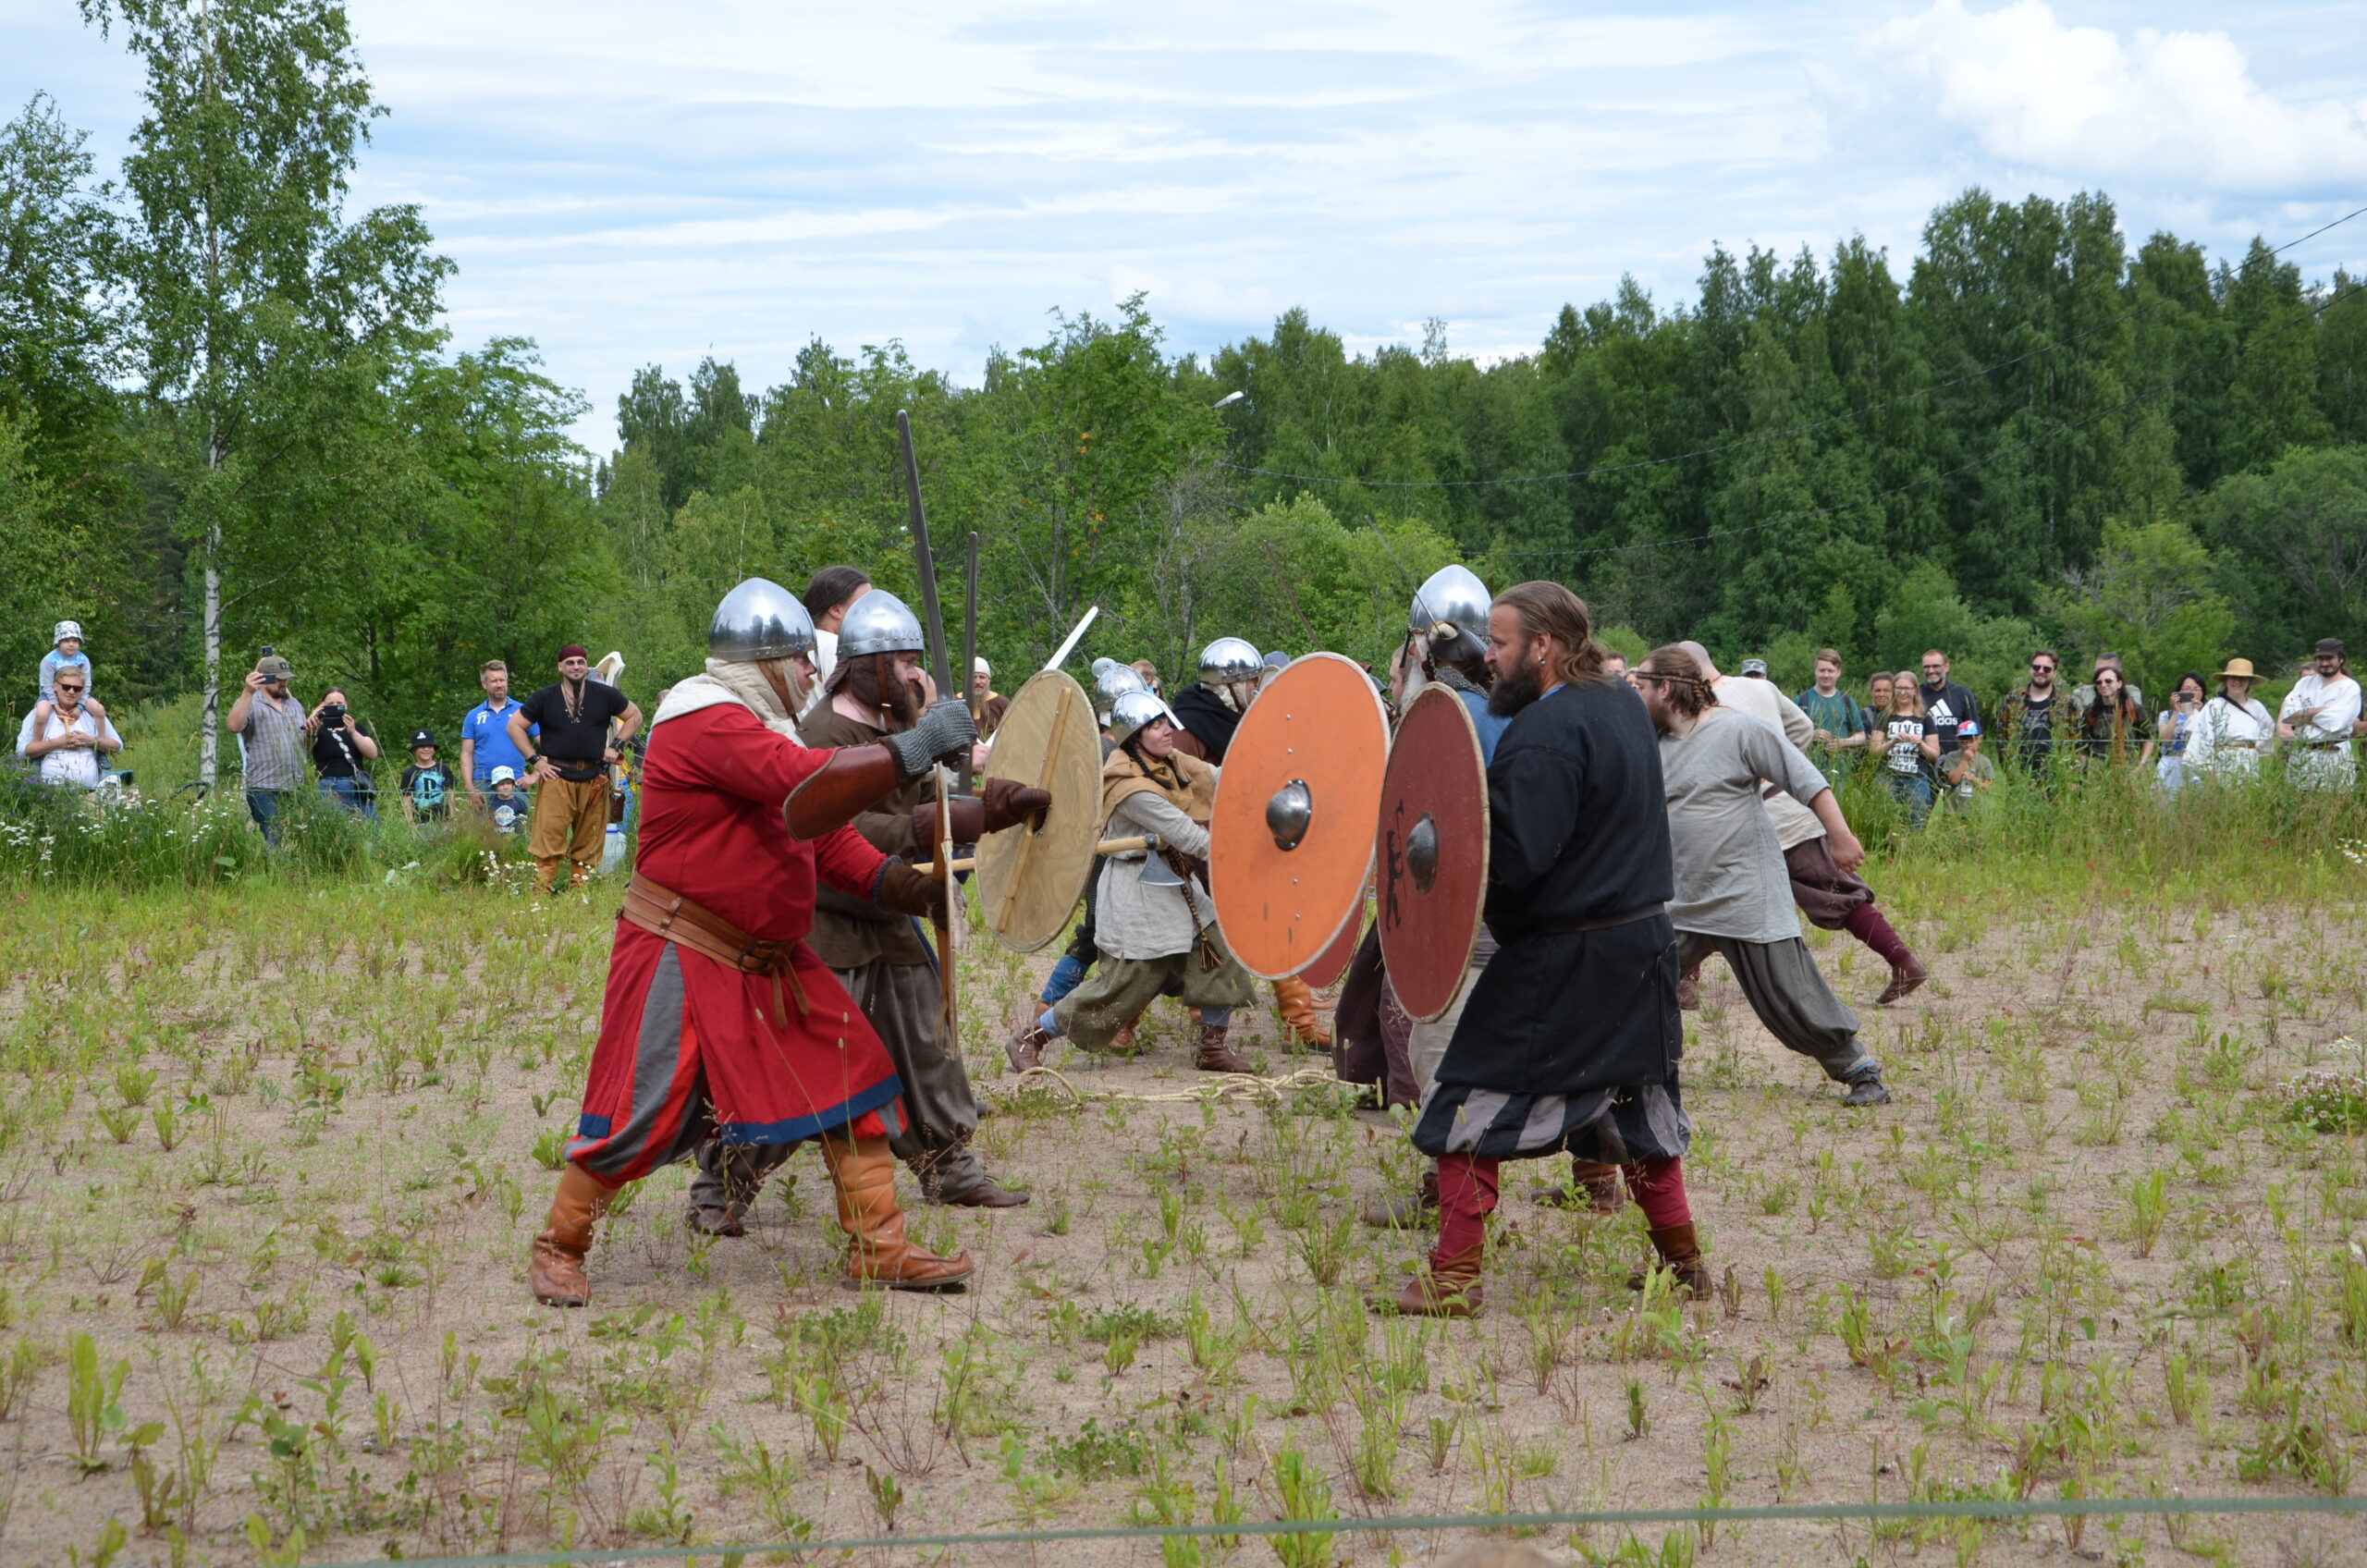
[(903, 889), (854, 778)]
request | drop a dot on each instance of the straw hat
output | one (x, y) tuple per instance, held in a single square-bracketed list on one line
[(2238, 670)]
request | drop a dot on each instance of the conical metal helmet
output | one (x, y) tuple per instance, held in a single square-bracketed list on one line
[(1112, 680), (759, 620), (879, 623), (1453, 594), (1229, 660), (1134, 709)]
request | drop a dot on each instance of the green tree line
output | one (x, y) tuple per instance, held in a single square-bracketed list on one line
[(228, 417)]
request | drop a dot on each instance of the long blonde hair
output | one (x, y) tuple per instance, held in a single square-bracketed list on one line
[(1907, 693)]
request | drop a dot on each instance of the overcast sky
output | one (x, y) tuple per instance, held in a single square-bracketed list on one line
[(639, 183)]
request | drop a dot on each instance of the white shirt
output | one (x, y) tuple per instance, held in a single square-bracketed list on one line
[(2229, 736), (1795, 824), (67, 764), (2339, 693)]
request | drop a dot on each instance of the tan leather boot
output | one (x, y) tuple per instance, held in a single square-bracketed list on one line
[(556, 1269), (1680, 1252), (1294, 1000), (1448, 1288), (877, 1253), (1214, 1055)]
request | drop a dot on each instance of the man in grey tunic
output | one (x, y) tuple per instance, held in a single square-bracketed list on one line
[(1733, 895)]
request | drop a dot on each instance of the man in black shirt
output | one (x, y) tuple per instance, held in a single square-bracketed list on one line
[(1945, 704), (570, 773)]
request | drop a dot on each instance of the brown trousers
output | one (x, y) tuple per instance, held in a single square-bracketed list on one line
[(570, 822)]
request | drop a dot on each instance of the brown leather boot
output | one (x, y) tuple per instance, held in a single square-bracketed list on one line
[(1214, 1055), (1594, 1186), (1448, 1288), (556, 1269), (1026, 1049), (1294, 1000), (1904, 978), (1680, 1253), (877, 1254)]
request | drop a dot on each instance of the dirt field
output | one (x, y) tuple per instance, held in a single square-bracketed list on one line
[(272, 1163)]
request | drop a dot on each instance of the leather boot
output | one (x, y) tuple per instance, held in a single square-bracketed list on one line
[(1026, 1049), (1409, 1209), (1594, 1186), (1214, 1055), (988, 1193), (1680, 1253), (877, 1254), (1448, 1288), (1904, 978), (1294, 1000), (1689, 990), (556, 1270)]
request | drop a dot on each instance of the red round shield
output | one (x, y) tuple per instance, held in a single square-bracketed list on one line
[(1432, 848), (1290, 845), (1336, 958)]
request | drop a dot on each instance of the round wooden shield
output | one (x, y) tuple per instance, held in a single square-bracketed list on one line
[(1336, 958), (1290, 848), (1030, 879), (1432, 849)]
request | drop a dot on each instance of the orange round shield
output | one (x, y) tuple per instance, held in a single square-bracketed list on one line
[(1434, 852), (1291, 843)]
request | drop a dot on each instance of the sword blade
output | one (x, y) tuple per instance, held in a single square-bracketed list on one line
[(1074, 637)]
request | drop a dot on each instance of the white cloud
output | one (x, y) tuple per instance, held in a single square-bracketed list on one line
[(2164, 109)]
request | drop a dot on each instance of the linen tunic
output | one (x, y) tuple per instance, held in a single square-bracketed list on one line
[(1132, 921), (1730, 875), (2227, 739)]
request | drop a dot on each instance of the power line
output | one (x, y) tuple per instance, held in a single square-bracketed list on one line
[(1979, 463), (1764, 438)]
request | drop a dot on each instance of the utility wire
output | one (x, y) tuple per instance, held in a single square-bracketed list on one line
[(1977, 464), (1764, 438)]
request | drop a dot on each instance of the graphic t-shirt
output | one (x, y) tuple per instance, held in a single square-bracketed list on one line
[(1839, 716), (508, 812), (2033, 729), (429, 790), (1905, 735), (1945, 707), (575, 740)]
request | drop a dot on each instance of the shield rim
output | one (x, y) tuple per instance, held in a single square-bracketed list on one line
[(990, 869), (1352, 907), (1479, 907)]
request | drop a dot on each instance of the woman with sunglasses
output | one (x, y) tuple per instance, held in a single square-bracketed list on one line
[(67, 735)]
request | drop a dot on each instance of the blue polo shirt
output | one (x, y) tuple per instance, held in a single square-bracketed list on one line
[(489, 728)]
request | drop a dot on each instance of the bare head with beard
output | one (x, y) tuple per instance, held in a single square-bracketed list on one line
[(886, 686), (1540, 636)]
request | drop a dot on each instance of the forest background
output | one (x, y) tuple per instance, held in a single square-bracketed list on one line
[(228, 417)]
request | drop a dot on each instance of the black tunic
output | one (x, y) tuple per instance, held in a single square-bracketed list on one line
[(1571, 1037), (1209, 721)]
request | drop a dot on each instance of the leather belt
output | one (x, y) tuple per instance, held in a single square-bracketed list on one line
[(687, 922), (1571, 927)]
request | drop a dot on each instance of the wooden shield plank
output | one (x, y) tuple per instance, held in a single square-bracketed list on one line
[(1317, 732), (1030, 879), (1336, 958), (1433, 850)]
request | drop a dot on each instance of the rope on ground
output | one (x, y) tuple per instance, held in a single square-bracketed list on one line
[(1213, 1086), (1960, 1508)]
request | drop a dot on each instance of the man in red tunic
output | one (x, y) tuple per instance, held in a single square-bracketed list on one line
[(718, 1020)]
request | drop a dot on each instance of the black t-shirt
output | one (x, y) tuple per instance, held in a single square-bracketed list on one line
[(575, 742), (1901, 743), (334, 753), (1945, 707), (2035, 735), (430, 789)]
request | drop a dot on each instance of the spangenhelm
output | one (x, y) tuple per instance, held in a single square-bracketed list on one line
[(1112, 680), (1134, 709), (66, 628), (1454, 595), (760, 620), (1229, 660), (879, 623)]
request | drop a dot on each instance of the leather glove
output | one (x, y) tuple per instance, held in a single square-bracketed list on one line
[(969, 824), (1010, 802), (904, 890), (944, 731)]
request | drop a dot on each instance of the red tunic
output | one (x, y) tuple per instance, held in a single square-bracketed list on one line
[(674, 1021)]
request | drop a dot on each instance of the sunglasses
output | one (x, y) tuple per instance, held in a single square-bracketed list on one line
[(2043, 669), (70, 691)]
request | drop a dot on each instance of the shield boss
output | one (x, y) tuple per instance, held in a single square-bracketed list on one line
[(1291, 843), (1433, 852), (1030, 879)]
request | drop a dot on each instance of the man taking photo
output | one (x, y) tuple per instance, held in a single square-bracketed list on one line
[(571, 770)]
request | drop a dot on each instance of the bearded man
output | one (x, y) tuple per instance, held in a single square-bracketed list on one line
[(563, 731), (873, 692), (1733, 895), (720, 1020), (1569, 1038)]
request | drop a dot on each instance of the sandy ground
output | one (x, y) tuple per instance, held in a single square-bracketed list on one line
[(1948, 1297)]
